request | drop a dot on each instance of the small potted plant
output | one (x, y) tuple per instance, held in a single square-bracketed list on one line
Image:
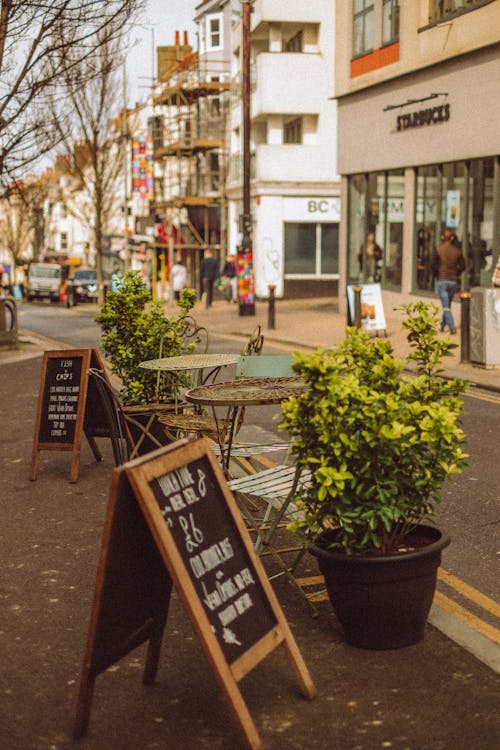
[(135, 329), (379, 444)]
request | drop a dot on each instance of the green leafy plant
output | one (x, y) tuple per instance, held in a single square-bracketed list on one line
[(379, 442), (135, 329)]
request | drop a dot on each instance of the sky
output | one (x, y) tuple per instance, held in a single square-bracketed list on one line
[(159, 22)]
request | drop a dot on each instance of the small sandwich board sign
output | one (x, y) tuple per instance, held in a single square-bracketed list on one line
[(172, 519), (61, 405), (372, 307)]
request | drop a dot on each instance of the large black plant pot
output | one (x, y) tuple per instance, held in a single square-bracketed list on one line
[(382, 602)]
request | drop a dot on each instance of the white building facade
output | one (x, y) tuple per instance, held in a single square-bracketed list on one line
[(295, 192)]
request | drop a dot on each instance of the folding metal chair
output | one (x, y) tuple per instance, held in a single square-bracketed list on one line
[(267, 503)]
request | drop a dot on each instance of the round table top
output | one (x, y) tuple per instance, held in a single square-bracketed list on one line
[(247, 391), (190, 362)]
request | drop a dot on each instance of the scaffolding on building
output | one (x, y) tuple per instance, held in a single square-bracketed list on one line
[(192, 153)]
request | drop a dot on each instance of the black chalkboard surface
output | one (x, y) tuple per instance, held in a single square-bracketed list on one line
[(61, 399), (198, 535), (218, 564)]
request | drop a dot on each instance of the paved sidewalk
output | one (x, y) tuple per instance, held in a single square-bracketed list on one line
[(432, 696)]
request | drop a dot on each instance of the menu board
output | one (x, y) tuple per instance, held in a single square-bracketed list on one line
[(62, 402), (191, 529)]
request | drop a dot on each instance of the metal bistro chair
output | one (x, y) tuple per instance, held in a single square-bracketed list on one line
[(267, 503), (253, 456)]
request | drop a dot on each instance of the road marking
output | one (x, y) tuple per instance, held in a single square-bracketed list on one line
[(492, 398), (462, 614), (469, 592)]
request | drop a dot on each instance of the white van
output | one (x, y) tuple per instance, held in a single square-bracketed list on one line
[(45, 280)]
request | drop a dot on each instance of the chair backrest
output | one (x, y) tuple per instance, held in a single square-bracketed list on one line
[(193, 332), (101, 400), (265, 366), (255, 343)]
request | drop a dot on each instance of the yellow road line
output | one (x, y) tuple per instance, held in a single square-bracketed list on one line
[(469, 592), (467, 617), (491, 398)]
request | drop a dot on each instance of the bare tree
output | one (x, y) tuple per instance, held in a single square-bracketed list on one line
[(39, 41), (95, 139), (20, 213)]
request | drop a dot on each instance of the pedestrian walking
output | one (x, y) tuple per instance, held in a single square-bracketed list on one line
[(447, 265), (178, 277), (229, 273), (209, 272)]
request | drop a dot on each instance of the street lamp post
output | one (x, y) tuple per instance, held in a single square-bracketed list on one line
[(246, 289)]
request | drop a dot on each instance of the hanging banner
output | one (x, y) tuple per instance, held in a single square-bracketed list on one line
[(142, 168)]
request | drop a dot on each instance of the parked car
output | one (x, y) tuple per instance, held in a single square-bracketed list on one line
[(44, 281), (82, 286)]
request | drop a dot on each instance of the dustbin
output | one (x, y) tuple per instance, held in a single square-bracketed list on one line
[(485, 326)]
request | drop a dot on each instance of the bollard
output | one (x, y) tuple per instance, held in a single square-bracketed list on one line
[(8, 321), (271, 307), (464, 326), (357, 306)]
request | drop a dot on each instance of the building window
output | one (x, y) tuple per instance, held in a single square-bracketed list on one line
[(292, 130), (390, 21), (439, 9), (64, 241), (363, 29), (311, 249), (155, 130), (213, 38), (295, 43)]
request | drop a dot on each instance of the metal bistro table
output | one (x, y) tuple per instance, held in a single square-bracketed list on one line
[(180, 423), (236, 395), (187, 362)]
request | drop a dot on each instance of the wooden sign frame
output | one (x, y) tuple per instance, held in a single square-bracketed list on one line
[(165, 487), (72, 362)]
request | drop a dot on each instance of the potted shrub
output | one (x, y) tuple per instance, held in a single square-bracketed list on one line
[(135, 329), (379, 444)]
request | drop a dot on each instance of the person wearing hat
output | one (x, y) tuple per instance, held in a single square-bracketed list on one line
[(447, 265)]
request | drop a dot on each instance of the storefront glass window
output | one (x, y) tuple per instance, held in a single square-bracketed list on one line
[(329, 248), (311, 249), (300, 248), (427, 224), (458, 196), (357, 225), (394, 219), (376, 213), (480, 226)]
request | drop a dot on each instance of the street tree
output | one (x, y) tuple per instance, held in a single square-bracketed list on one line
[(38, 44), (22, 219), (94, 133)]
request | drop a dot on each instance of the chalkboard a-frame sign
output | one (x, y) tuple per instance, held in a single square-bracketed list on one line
[(61, 405), (189, 532)]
